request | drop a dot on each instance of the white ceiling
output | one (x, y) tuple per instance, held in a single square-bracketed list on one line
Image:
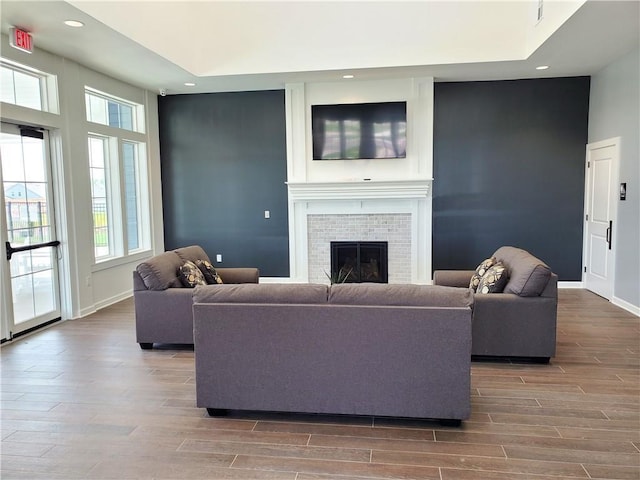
[(240, 45)]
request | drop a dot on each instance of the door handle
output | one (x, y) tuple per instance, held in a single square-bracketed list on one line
[(11, 250), (609, 231)]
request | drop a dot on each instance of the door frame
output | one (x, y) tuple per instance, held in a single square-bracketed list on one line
[(615, 179)]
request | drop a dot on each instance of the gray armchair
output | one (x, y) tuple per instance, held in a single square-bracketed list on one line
[(519, 323), (163, 307)]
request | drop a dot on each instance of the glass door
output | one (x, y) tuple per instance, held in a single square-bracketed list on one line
[(30, 292)]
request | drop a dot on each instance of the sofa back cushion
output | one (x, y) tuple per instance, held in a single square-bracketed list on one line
[(399, 295), (161, 271), (192, 253), (528, 275), (290, 293)]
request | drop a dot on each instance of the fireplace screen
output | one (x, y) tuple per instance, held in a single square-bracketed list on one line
[(357, 262)]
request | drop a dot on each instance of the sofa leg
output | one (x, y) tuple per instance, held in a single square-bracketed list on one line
[(450, 422), (217, 412), (146, 346)]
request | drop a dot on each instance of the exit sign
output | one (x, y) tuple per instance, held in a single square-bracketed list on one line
[(21, 40)]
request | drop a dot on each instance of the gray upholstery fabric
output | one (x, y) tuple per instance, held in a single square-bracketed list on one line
[(161, 271), (528, 275), (334, 359), (261, 293), (402, 295), (453, 278), (164, 316), (239, 275)]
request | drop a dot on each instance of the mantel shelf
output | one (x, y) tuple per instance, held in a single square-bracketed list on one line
[(356, 190)]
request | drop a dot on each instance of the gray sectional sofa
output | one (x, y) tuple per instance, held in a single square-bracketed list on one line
[(163, 305), (520, 322), (356, 349)]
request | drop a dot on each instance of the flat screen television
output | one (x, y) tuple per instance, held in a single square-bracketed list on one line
[(359, 131)]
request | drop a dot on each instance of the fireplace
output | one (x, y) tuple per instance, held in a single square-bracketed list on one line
[(357, 262)]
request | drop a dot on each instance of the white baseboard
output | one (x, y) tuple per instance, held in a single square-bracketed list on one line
[(629, 307), (115, 299), (570, 285)]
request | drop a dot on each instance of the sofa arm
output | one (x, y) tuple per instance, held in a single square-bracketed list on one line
[(452, 278), (239, 275)]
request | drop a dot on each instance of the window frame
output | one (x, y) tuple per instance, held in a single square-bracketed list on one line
[(118, 229), (47, 85)]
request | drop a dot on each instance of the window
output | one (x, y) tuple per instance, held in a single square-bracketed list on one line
[(113, 112), (27, 87), (119, 178)]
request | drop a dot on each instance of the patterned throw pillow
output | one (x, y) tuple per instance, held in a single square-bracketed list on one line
[(480, 271), (494, 280), (210, 274), (190, 275)]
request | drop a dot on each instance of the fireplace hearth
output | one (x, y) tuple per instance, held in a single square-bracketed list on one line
[(358, 262)]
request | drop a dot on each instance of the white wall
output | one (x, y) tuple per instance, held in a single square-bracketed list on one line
[(85, 286), (614, 110)]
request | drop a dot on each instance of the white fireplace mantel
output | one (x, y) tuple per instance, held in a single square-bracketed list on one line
[(359, 190)]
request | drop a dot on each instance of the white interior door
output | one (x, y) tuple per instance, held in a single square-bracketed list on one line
[(30, 286), (600, 216)]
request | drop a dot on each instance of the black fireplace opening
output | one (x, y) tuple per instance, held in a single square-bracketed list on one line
[(357, 262)]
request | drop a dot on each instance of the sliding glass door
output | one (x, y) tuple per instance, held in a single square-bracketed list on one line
[(30, 285)]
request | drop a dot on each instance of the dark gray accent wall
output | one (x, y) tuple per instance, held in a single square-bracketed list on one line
[(509, 170), (223, 163)]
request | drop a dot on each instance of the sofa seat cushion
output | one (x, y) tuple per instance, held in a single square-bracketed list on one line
[(288, 293), (382, 294), (528, 275), (161, 271)]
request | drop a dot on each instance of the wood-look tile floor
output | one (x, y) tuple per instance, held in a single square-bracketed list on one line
[(81, 400)]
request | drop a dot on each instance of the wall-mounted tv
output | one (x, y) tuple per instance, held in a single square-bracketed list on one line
[(359, 131)]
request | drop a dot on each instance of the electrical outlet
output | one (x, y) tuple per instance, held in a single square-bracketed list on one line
[(219, 257), (267, 214)]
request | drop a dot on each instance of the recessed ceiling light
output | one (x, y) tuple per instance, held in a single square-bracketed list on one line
[(542, 67), (189, 84), (73, 23), (347, 76)]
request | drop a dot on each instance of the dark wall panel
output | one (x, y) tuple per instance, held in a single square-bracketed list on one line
[(223, 161), (509, 170)]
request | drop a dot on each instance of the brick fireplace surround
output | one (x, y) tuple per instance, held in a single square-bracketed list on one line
[(398, 212)]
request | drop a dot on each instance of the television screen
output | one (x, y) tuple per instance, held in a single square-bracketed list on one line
[(359, 131)]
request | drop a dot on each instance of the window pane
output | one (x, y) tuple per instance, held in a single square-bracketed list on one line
[(99, 193), (27, 89), (7, 91), (131, 194), (126, 117), (97, 111)]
